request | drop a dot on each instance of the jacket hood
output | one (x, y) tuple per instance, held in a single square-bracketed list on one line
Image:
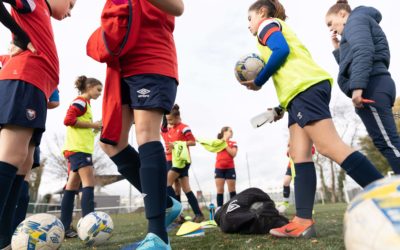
[(370, 11)]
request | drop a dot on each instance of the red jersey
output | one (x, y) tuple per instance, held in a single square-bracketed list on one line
[(40, 69), (224, 159), (154, 51), (179, 132)]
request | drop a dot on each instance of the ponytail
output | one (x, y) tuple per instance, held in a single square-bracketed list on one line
[(274, 8)]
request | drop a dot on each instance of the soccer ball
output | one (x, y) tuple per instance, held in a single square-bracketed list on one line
[(95, 228), (39, 231), (372, 219), (248, 66)]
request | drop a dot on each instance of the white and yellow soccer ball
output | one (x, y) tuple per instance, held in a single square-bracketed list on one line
[(248, 67), (372, 219), (39, 231), (95, 228)]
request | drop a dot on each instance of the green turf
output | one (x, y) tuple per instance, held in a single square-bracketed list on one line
[(132, 227)]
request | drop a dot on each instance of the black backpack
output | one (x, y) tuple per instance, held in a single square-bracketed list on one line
[(249, 212)]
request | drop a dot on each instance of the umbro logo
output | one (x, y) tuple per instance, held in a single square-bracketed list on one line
[(143, 93), (232, 206)]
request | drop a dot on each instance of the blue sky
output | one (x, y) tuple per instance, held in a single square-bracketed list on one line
[(210, 37)]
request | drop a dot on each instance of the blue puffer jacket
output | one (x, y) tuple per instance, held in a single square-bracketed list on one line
[(364, 50)]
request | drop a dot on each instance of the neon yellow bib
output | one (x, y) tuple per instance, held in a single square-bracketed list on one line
[(81, 139), (298, 73)]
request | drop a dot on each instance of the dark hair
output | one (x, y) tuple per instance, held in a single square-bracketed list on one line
[(175, 111), (274, 7), (82, 82), (223, 130), (340, 5)]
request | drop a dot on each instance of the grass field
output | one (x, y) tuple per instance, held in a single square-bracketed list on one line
[(132, 227)]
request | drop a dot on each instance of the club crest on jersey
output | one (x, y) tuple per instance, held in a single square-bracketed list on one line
[(30, 114), (232, 206)]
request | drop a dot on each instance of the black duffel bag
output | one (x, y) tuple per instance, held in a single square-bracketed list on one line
[(249, 212)]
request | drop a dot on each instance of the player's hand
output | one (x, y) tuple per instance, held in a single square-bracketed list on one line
[(335, 40), (278, 113), (97, 125), (250, 85), (357, 98), (14, 50)]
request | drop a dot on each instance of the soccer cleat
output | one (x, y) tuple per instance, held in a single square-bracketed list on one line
[(198, 218), (153, 242), (180, 219), (70, 233), (173, 212), (295, 230)]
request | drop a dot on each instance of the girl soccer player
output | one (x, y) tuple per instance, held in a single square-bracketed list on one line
[(363, 56), (26, 82), (178, 131), (304, 90), (225, 166), (146, 71), (78, 149)]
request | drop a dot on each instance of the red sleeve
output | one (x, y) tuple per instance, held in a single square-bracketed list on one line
[(75, 110), (187, 133)]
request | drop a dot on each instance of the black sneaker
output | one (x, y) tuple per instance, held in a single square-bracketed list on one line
[(70, 233)]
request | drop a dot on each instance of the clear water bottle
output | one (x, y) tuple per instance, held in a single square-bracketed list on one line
[(211, 208)]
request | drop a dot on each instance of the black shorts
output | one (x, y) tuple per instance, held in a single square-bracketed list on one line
[(311, 105), (80, 160), (228, 174), (149, 91), (36, 158), (24, 105), (288, 171), (183, 172)]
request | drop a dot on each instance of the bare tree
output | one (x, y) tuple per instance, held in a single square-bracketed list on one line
[(347, 124), (56, 164)]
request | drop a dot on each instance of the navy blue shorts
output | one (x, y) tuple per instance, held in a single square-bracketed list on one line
[(36, 158), (183, 172), (22, 104), (149, 91), (311, 105), (80, 160), (289, 171), (228, 174)]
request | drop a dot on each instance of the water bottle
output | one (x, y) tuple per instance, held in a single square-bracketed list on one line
[(211, 208)]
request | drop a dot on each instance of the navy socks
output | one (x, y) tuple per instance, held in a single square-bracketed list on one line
[(304, 187), (22, 205), (153, 175), (193, 203), (286, 192), (232, 194), (67, 207), (7, 219), (128, 164), (360, 169), (87, 202), (7, 175), (220, 200)]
